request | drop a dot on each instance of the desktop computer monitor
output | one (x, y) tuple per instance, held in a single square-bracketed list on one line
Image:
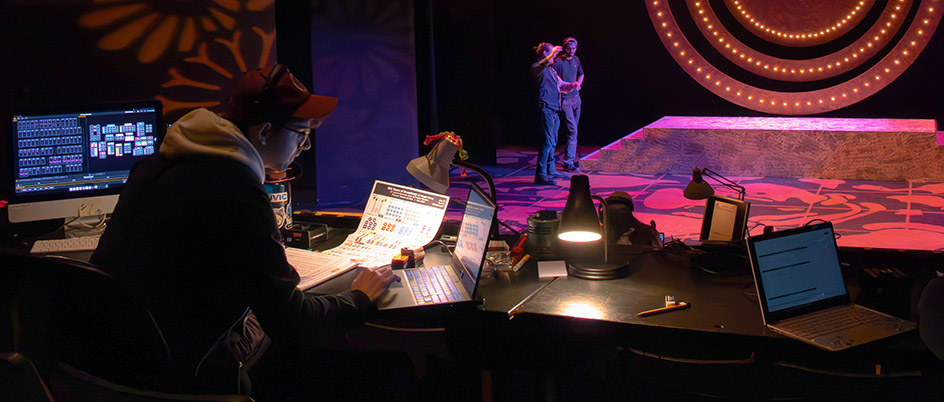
[(72, 161)]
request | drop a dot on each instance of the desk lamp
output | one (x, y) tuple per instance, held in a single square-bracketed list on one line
[(581, 224), (433, 169), (699, 189)]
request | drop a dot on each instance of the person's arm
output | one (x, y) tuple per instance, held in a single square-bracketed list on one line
[(545, 61), (267, 280)]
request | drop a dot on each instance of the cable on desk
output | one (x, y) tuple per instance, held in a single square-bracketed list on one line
[(915, 373), (750, 359), (400, 329)]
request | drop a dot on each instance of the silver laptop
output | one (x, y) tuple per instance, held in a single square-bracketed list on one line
[(455, 282), (803, 295)]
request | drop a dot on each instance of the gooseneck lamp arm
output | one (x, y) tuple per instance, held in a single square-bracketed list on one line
[(475, 168), (725, 181)]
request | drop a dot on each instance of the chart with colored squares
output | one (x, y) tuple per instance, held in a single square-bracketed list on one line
[(395, 217)]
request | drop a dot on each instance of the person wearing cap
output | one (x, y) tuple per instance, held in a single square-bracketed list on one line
[(549, 87), (570, 71), (194, 237)]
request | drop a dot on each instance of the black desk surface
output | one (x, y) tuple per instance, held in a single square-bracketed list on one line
[(725, 303)]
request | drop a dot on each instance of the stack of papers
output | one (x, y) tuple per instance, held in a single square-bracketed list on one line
[(315, 267)]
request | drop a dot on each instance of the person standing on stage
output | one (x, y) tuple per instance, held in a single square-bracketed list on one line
[(549, 87), (571, 72)]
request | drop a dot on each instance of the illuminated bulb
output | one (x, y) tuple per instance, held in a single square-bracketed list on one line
[(897, 61), (727, 88), (658, 13), (820, 101), (682, 53), (669, 34), (718, 83), (690, 61), (738, 93), (855, 89), (675, 44), (698, 69), (832, 98), (866, 84), (749, 97), (808, 103), (708, 76), (887, 71), (843, 95)]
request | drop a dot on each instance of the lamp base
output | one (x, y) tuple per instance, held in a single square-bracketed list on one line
[(597, 272)]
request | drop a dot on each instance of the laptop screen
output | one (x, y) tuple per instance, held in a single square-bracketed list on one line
[(472, 240), (797, 271)]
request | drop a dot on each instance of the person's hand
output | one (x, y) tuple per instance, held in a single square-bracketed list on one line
[(374, 282)]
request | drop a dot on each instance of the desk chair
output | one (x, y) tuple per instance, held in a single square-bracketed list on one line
[(73, 319), (20, 381)]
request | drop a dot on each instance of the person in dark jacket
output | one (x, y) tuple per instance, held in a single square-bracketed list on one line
[(194, 236), (548, 86)]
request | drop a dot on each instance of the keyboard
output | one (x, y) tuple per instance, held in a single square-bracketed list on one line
[(829, 321), (81, 243), (432, 285)]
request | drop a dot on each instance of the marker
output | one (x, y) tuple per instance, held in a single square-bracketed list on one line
[(521, 262), (679, 306)]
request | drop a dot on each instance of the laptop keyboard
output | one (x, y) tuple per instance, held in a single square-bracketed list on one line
[(432, 285), (832, 320)]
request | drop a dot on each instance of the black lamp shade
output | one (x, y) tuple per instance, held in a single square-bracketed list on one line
[(579, 221), (698, 188)]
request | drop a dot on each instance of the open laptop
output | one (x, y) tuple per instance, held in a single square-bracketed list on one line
[(455, 282), (803, 295)]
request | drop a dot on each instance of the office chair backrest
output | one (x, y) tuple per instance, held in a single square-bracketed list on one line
[(19, 380), (69, 311), (69, 383)]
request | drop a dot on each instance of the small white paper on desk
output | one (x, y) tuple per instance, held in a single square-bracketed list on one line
[(550, 269)]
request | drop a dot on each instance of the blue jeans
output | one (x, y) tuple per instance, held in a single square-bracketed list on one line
[(546, 165), (570, 112)]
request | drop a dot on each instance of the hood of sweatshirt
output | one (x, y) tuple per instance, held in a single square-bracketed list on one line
[(202, 132)]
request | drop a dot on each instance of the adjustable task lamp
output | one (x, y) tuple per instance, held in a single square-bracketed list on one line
[(433, 169), (699, 189), (581, 224)]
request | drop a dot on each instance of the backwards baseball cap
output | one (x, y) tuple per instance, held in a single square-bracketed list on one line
[(273, 92), (570, 39)]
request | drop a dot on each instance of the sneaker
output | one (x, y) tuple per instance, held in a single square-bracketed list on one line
[(571, 168), (559, 175), (545, 181)]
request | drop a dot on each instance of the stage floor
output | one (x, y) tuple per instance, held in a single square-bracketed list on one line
[(867, 214)]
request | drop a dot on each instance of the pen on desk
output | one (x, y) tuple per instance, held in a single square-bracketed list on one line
[(679, 306), (521, 262)]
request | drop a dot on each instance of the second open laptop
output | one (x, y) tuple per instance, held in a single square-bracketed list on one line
[(455, 282), (803, 295)]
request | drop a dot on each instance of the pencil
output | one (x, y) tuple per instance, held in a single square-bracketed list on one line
[(679, 306)]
